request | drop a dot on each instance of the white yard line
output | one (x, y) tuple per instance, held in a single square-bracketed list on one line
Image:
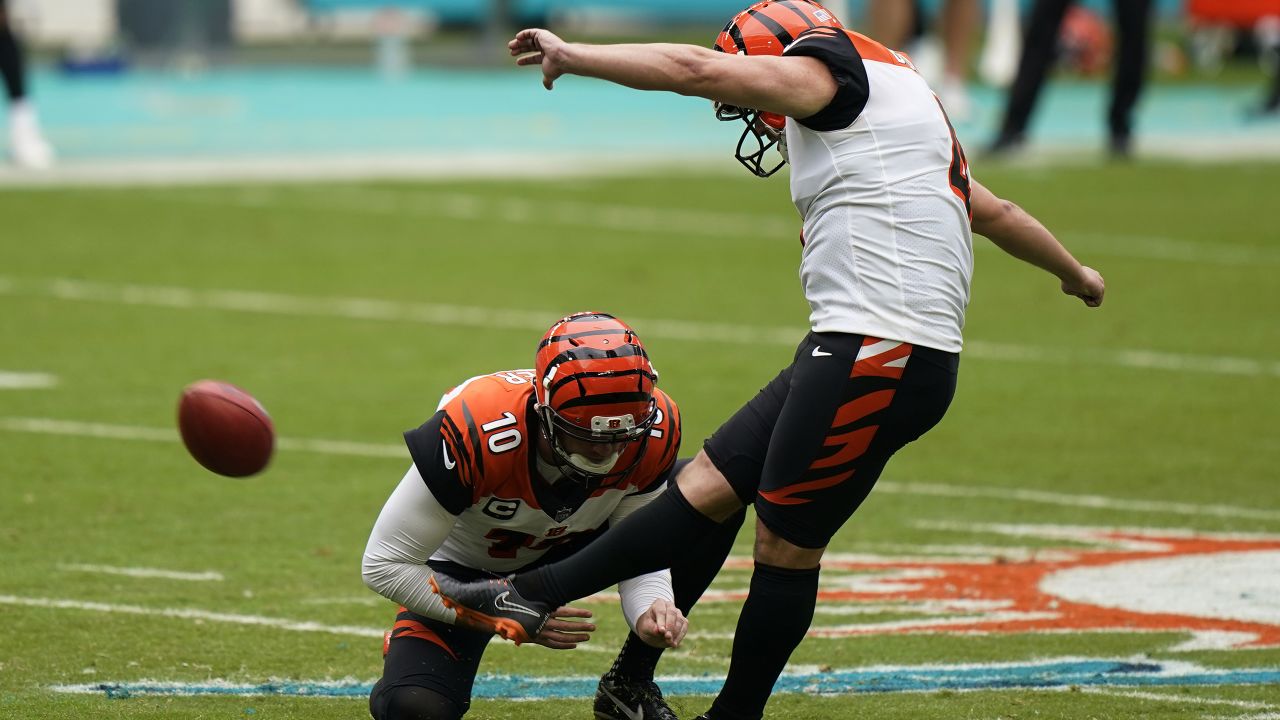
[(1177, 699), (472, 207), (1152, 247), (142, 572), (341, 447), (10, 380), (369, 600), (192, 614), (516, 319), (47, 426), (1099, 502), (665, 220)]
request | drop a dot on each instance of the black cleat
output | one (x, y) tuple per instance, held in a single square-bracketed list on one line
[(619, 698), (493, 604)]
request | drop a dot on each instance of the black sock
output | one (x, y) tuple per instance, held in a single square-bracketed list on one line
[(647, 540), (774, 620), (699, 565), (636, 660), (11, 63), (690, 577)]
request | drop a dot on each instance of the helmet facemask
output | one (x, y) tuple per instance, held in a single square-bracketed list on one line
[(592, 471), (764, 131)]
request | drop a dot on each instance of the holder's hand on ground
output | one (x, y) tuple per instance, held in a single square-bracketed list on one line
[(662, 625), (540, 47), (1089, 286), (563, 634)]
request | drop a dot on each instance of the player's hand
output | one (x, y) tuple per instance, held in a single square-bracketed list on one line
[(662, 625), (1088, 286), (563, 633), (540, 47)]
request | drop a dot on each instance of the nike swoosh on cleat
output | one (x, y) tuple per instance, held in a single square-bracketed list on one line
[(817, 352), (637, 714), (502, 603)]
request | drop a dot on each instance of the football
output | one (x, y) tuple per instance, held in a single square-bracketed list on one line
[(225, 429)]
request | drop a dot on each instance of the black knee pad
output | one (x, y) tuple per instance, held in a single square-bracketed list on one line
[(414, 703)]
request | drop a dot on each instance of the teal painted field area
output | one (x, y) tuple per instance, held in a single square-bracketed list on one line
[(300, 112)]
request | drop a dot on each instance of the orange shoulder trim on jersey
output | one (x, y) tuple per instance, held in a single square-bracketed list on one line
[(871, 50), (486, 431)]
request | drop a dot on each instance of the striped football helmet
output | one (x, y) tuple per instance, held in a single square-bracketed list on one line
[(766, 28), (594, 395)]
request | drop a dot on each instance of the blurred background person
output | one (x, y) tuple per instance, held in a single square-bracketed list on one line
[(1271, 106), (27, 146), (893, 23), (1039, 50)]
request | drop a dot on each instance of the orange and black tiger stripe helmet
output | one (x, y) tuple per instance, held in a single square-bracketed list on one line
[(593, 382), (766, 28)]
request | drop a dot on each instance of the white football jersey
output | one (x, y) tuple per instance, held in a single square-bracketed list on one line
[(882, 185), (477, 457)]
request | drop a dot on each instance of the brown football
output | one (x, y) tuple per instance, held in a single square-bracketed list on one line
[(225, 429)]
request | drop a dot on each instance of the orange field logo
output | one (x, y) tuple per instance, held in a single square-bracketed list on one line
[(1223, 589)]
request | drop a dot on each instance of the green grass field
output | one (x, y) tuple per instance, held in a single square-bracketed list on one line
[(347, 309)]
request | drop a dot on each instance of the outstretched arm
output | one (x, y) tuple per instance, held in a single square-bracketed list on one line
[(792, 86), (1016, 232)]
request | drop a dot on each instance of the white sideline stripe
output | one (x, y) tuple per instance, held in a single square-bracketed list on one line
[(341, 447), (141, 572), (469, 206), (649, 219), (1086, 501), (1150, 247), (470, 316), (46, 426), (370, 600), (1190, 700), (168, 172), (1140, 359), (939, 624), (192, 614), (26, 380), (954, 553)]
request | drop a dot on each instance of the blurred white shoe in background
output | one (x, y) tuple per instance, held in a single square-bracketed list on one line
[(954, 95), (27, 145)]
